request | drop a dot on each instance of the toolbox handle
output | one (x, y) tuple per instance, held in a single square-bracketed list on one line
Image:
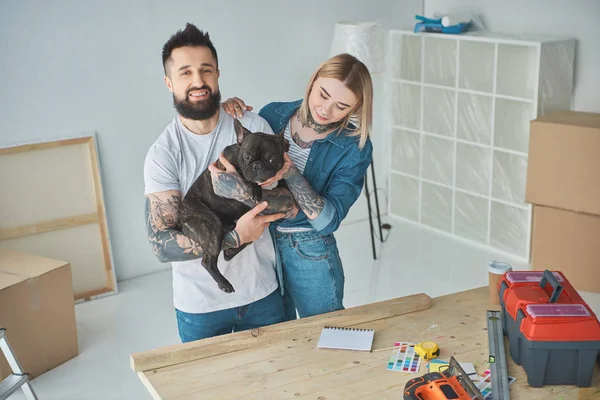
[(548, 277)]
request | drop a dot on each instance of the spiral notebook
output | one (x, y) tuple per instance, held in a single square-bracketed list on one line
[(346, 338)]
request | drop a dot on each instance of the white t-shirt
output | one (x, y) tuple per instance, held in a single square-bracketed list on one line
[(174, 162)]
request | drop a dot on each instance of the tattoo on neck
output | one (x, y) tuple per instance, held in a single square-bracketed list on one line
[(319, 128)]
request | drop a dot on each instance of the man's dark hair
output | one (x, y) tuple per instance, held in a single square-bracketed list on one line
[(190, 36)]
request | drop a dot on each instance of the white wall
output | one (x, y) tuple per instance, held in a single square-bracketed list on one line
[(578, 19), (68, 67)]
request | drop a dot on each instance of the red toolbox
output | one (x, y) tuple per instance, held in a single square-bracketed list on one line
[(551, 330)]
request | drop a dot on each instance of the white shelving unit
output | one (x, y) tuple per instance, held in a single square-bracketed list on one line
[(459, 113)]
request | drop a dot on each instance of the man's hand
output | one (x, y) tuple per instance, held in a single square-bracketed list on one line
[(285, 171), (228, 183), (235, 107), (251, 225)]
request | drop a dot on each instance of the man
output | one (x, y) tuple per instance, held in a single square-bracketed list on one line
[(188, 145)]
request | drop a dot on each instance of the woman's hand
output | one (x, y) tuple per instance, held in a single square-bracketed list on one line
[(287, 169), (228, 183), (235, 107)]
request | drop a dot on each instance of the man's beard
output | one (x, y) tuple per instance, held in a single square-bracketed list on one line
[(201, 110)]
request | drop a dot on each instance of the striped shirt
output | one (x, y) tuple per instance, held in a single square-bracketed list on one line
[(298, 155)]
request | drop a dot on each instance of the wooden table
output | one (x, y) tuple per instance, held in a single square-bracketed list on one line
[(281, 361)]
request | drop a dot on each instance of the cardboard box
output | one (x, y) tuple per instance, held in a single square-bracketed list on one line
[(563, 184), (37, 311), (563, 169), (569, 242)]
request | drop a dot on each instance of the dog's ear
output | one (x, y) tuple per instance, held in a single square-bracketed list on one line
[(240, 131), (286, 144)]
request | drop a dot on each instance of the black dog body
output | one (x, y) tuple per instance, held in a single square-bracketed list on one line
[(206, 217)]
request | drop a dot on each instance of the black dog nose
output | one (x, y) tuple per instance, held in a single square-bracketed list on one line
[(257, 166)]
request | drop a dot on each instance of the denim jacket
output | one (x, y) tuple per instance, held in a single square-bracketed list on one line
[(335, 169)]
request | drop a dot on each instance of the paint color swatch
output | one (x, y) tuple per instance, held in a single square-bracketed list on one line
[(404, 358), (436, 365), (485, 384)]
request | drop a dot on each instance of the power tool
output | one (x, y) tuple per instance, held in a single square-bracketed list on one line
[(452, 383)]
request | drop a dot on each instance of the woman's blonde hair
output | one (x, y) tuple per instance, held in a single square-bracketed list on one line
[(356, 77)]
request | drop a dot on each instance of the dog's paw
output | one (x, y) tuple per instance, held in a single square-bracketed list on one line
[(271, 186), (226, 287), (257, 193)]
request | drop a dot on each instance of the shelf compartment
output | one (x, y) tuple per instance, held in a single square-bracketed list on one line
[(476, 66), (473, 168), (404, 196), (406, 105), (509, 177), (438, 159), (438, 110), (440, 61), (474, 119), (406, 150), (471, 215), (406, 50), (516, 71), (511, 127), (508, 228), (436, 206)]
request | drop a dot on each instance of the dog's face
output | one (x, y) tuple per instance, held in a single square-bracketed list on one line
[(260, 155)]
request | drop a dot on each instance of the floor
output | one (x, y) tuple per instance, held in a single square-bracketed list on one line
[(140, 317)]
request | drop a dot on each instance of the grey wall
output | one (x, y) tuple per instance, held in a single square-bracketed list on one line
[(67, 67), (579, 19)]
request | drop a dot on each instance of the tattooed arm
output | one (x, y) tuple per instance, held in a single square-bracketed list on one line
[(229, 184), (162, 224), (307, 199)]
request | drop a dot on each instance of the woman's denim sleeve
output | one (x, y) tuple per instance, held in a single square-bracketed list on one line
[(343, 190)]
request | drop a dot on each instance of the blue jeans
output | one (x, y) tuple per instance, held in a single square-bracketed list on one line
[(266, 311), (313, 276)]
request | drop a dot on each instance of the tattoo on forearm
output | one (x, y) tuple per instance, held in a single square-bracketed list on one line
[(280, 200), (231, 186), (168, 243), (231, 240), (164, 213), (308, 200)]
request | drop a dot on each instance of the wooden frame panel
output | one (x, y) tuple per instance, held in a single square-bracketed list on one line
[(46, 231)]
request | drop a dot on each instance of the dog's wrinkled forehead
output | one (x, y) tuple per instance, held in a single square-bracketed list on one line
[(267, 145)]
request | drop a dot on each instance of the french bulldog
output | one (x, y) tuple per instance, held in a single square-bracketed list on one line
[(205, 217)]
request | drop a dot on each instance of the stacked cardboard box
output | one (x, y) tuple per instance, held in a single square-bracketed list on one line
[(563, 184), (37, 311)]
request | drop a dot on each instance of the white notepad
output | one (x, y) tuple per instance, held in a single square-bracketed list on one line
[(346, 338)]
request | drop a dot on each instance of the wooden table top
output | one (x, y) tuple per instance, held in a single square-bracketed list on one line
[(282, 362)]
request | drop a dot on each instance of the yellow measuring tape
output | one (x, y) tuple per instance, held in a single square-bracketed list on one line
[(427, 350)]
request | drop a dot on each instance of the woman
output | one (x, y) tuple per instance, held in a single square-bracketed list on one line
[(329, 154)]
